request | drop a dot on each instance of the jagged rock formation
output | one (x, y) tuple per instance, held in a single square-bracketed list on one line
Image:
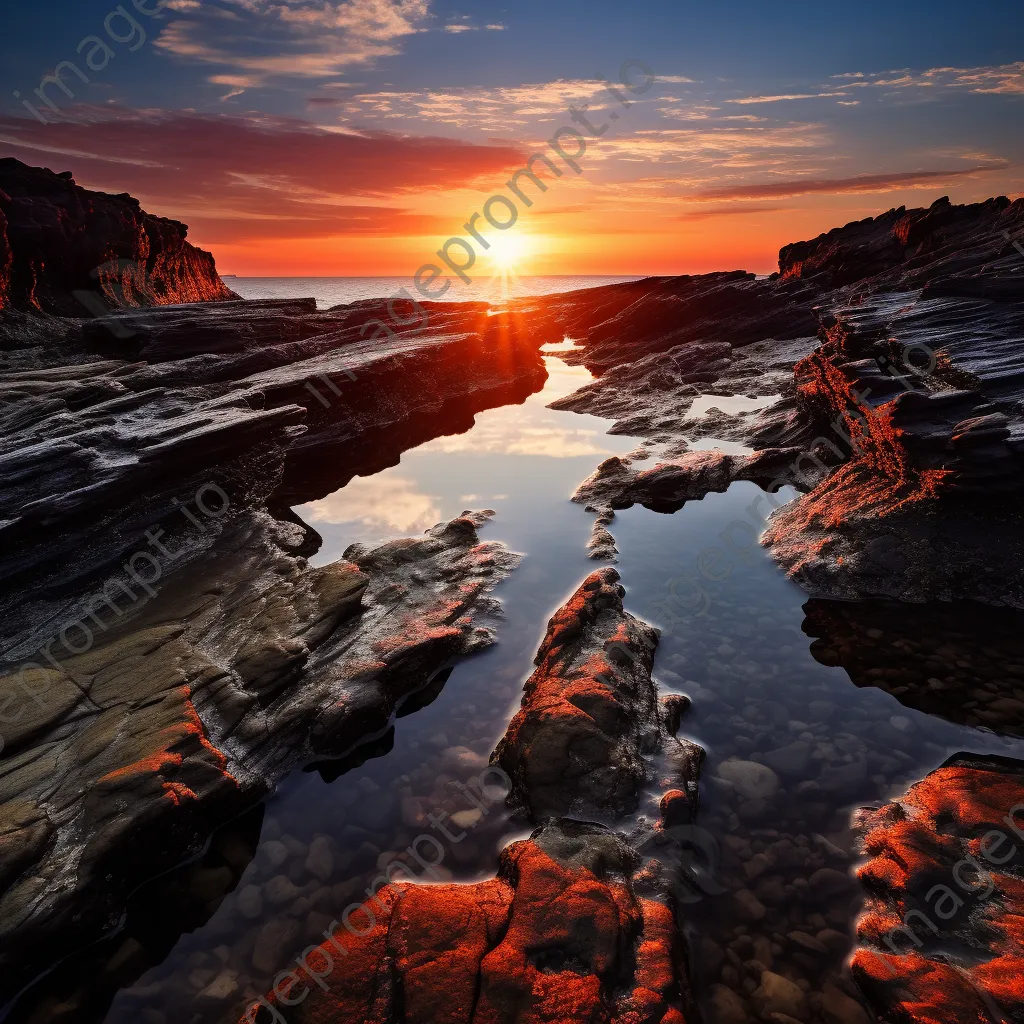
[(927, 500), (169, 653), (589, 710), (189, 704), (945, 250), (99, 435), (906, 418), (940, 938), (57, 238), (559, 935), (659, 314), (668, 485)]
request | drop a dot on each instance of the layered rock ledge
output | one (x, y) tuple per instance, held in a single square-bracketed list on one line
[(192, 704)]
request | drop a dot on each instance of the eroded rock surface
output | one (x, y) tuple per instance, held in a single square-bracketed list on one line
[(560, 935), (941, 936), (589, 710), (247, 663), (578, 922), (928, 392), (668, 485), (57, 239), (905, 418)]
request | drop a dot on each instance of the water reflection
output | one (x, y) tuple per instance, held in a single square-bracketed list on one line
[(957, 660)]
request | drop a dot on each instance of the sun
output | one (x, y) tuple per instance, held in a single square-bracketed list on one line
[(507, 253)]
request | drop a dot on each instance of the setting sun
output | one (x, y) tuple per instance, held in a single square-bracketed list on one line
[(508, 253)]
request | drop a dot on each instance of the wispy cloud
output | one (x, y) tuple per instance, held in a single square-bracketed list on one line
[(731, 211), (1007, 79), (788, 96), (266, 39), (494, 109), (864, 183)]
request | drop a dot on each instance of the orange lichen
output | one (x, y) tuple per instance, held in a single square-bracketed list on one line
[(545, 942), (923, 845)]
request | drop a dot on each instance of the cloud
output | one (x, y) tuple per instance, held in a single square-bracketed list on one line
[(290, 38), (865, 183), (494, 109), (789, 96), (236, 178), (1006, 79), (389, 504), (718, 147), (731, 211)]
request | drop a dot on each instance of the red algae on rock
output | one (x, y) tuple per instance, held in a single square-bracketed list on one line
[(941, 940), (559, 936)]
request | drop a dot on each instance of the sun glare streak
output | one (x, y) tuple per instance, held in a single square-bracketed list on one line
[(507, 255)]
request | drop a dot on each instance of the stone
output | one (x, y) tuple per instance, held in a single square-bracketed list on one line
[(223, 987), (280, 890), (467, 819), (320, 860), (753, 780), (839, 1008), (790, 761), (250, 902), (748, 906), (274, 945), (777, 994), (726, 1007)]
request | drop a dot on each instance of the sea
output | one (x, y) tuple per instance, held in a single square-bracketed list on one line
[(334, 291)]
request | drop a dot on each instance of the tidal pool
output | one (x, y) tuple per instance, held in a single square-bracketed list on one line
[(793, 746)]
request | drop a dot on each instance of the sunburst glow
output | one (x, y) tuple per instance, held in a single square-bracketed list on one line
[(508, 253)]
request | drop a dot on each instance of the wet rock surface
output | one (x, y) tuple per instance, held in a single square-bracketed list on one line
[(559, 935), (590, 711), (246, 664), (940, 938), (577, 924), (187, 706), (906, 417)]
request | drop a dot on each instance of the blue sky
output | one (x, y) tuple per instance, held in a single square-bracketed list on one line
[(869, 105)]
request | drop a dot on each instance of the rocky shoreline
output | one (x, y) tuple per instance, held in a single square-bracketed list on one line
[(171, 654)]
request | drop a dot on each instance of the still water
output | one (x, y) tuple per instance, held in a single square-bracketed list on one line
[(200, 944)]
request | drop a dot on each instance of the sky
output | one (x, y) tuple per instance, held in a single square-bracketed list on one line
[(355, 137)]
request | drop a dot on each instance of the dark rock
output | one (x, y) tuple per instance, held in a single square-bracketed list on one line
[(57, 239), (575, 743)]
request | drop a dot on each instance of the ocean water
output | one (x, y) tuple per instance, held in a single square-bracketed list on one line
[(333, 291)]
